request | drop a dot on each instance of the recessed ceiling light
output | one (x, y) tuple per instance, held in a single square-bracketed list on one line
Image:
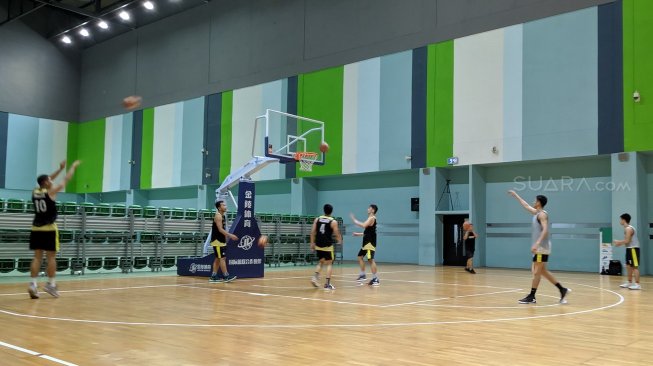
[(124, 15), (66, 40), (84, 32), (102, 24), (148, 5)]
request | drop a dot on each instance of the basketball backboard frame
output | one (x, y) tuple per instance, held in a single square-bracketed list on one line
[(283, 134)]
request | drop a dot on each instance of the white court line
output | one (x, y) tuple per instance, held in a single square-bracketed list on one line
[(449, 298), (306, 326), (285, 296), (37, 354), (295, 287), (494, 307), (99, 289)]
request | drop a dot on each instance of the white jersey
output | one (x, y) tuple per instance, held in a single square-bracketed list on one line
[(634, 242), (545, 245)]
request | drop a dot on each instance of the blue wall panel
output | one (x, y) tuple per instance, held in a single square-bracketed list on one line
[(560, 86)]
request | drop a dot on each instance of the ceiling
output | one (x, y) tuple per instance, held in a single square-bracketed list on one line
[(53, 19)]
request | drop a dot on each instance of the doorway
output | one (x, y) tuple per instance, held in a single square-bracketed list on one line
[(453, 247)]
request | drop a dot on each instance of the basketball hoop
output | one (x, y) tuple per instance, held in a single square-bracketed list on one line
[(306, 160)]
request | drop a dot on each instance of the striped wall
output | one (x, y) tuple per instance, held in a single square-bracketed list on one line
[(33, 146), (539, 90), (117, 153), (247, 104)]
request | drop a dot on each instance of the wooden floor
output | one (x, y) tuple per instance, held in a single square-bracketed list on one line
[(418, 316)]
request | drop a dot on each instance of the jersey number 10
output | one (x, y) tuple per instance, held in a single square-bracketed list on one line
[(40, 206)]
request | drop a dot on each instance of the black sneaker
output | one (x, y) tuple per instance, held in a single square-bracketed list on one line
[(467, 269), (563, 295), (374, 282), (215, 278), (529, 299), (471, 270), (228, 278)]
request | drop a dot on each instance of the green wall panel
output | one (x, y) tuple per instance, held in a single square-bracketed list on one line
[(319, 97), (147, 148), (638, 74), (90, 150), (439, 104)]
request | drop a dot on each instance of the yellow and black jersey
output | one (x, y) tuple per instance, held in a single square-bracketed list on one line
[(45, 209), (324, 232)]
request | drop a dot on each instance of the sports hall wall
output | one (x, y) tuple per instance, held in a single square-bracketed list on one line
[(492, 99)]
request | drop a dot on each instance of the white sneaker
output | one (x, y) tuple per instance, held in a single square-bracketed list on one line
[(52, 290), (315, 281), (635, 286), (625, 285), (33, 291)]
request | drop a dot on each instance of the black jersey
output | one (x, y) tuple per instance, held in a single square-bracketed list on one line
[(324, 235), (470, 243), (369, 235), (216, 234), (45, 210)]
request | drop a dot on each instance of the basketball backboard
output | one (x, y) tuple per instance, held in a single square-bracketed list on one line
[(281, 135)]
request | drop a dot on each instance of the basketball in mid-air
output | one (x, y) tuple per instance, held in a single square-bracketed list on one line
[(263, 241), (324, 147), (132, 102)]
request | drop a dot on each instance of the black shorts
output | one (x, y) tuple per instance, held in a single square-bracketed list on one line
[(469, 253), (327, 255), (632, 257), (44, 240), (220, 252), (541, 258), (368, 254)]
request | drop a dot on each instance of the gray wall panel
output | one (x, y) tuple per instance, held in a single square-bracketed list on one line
[(251, 38), (36, 78), (257, 41), (108, 75), (228, 44), (341, 25), (173, 65)]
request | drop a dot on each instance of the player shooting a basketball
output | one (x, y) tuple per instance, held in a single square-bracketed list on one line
[(44, 237)]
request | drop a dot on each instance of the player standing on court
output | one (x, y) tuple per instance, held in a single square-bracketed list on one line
[(219, 237), (45, 234), (541, 247), (470, 245), (324, 229), (368, 248), (632, 253)]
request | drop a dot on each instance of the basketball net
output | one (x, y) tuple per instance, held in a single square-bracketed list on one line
[(306, 160)]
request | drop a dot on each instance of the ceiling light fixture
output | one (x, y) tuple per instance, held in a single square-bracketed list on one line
[(124, 15), (66, 40), (84, 32), (102, 24), (148, 5)]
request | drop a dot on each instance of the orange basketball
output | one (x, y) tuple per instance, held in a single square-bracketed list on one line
[(132, 102), (263, 241), (324, 147)]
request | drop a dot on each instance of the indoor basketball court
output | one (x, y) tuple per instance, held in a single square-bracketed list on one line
[(418, 315), (343, 182)]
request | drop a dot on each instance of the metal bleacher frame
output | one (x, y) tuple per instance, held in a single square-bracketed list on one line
[(95, 237)]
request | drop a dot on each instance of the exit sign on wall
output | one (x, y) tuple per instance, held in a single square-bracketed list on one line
[(452, 161)]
